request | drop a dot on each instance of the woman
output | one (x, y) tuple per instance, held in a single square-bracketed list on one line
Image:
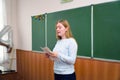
[(64, 53)]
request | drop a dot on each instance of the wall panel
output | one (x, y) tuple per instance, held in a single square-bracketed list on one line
[(34, 66)]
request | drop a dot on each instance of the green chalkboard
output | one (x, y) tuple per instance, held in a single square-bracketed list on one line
[(38, 32), (107, 30), (80, 21)]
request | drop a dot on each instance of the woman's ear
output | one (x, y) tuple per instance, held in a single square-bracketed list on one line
[(66, 29)]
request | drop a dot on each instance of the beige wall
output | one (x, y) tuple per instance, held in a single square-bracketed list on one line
[(27, 8)]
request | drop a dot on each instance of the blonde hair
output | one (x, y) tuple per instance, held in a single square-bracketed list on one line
[(65, 23)]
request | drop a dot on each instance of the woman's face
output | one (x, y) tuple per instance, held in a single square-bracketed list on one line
[(60, 30)]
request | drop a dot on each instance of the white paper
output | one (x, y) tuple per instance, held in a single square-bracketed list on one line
[(46, 50)]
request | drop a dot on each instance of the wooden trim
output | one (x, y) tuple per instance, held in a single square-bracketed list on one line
[(35, 66)]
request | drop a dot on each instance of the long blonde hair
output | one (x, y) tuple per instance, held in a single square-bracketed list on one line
[(65, 23)]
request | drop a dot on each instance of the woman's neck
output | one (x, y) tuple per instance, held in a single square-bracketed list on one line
[(63, 37)]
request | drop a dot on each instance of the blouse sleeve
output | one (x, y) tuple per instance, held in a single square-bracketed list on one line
[(72, 50)]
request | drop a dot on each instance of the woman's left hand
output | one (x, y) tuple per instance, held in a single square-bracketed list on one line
[(54, 54)]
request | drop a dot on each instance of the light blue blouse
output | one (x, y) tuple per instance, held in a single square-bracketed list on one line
[(67, 52)]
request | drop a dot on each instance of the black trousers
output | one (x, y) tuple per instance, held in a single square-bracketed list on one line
[(65, 76)]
